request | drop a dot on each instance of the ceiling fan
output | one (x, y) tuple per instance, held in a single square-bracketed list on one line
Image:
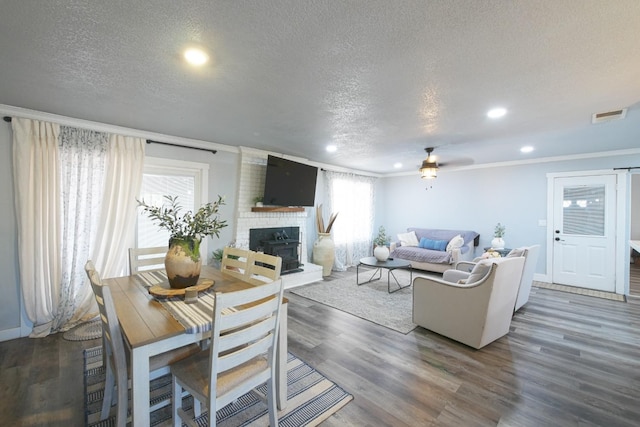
[(430, 166)]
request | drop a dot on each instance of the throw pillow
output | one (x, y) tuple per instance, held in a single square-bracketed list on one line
[(408, 239), (516, 252), (436, 245), (480, 270), (455, 243)]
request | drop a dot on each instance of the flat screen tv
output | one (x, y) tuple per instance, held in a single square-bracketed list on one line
[(289, 183)]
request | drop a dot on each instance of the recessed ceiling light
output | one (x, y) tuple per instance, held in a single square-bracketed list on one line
[(332, 148), (195, 56), (496, 113), (397, 165), (526, 149)]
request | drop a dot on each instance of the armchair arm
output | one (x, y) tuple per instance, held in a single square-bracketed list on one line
[(453, 276), (465, 266)]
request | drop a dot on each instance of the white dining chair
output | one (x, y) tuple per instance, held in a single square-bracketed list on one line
[(115, 353), (240, 358), (147, 259), (235, 262), (264, 268)]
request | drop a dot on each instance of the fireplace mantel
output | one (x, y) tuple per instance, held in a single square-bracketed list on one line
[(276, 209)]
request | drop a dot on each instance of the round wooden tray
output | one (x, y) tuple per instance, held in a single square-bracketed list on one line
[(164, 290)]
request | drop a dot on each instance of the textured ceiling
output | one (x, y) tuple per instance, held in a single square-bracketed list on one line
[(382, 80)]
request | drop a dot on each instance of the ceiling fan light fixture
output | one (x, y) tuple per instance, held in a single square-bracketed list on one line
[(429, 168)]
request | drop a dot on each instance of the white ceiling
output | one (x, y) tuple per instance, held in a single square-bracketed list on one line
[(381, 79)]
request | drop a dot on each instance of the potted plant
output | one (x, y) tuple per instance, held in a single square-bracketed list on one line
[(186, 231), (498, 234), (258, 201), (381, 251)]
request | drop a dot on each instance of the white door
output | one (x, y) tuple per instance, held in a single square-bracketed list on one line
[(584, 223)]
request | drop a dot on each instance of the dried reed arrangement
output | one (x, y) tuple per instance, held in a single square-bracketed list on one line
[(320, 220)]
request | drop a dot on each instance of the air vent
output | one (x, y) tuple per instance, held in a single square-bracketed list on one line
[(608, 116)]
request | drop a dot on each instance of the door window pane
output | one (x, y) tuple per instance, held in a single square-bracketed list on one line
[(583, 210)]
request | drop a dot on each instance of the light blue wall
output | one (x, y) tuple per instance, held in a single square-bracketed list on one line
[(9, 290), (477, 199)]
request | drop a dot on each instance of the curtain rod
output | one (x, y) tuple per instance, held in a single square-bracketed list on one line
[(150, 141)]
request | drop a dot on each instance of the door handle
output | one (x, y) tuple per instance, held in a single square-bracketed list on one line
[(559, 239)]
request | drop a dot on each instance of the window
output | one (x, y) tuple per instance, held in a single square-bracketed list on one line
[(187, 180)]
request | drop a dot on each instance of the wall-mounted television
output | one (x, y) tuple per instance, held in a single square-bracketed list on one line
[(289, 183)]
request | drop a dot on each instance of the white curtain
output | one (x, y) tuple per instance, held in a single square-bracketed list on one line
[(117, 225), (88, 206), (37, 201), (353, 197)]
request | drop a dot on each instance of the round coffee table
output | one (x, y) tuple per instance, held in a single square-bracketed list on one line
[(389, 265)]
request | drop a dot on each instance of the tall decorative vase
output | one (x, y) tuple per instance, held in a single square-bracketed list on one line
[(497, 243), (381, 252), (324, 253), (183, 263)]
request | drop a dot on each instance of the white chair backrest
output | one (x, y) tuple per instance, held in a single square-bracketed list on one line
[(248, 333), (147, 259), (530, 263), (112, 346), (235, 262), (264, 268)]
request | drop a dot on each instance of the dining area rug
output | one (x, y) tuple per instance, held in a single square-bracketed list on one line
[(312, 398)]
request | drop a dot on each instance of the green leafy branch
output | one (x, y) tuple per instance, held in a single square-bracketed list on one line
[(205, 222)]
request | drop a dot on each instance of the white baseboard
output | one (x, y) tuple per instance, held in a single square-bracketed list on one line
[(11, 334)]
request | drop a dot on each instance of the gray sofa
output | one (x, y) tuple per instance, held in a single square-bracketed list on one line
[(436, 260)]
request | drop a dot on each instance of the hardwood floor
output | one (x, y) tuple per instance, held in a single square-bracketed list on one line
[(568, 360)]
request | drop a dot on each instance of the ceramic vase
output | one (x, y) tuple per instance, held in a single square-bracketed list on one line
[(497, 243), (324, 253), (381, 253), (183, 263)]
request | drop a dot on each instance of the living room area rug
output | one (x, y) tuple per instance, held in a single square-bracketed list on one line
[(370, 301), (311, 398)]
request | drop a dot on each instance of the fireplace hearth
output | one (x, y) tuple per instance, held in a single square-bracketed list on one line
[(281, 241)]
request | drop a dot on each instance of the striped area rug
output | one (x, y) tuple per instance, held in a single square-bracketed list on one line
[(312, 398)]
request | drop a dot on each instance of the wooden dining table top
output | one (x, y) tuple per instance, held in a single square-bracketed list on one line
[(143, 319)]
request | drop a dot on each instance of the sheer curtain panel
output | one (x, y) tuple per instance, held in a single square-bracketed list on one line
[(353, 197)]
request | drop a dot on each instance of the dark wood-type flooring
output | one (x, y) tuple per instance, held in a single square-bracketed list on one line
[(569, 360)]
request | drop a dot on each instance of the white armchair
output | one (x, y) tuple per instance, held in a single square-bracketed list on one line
[(530, 253), (475, 313)]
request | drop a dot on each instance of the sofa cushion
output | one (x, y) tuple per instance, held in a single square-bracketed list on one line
[(455, 243), (408, 239), (436, 245)]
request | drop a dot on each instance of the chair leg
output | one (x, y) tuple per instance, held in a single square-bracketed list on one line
[(271, 403), (109, 396), (177, 403)]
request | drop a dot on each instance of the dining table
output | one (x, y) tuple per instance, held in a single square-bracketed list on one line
[(149, 328)]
